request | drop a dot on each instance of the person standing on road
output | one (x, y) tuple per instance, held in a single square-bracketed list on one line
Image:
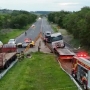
[(22, 55), (39, 46), (25, 33)]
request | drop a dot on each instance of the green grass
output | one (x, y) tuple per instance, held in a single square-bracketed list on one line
[(75, 43), (54, 28), (12, 34), (41, 72), (64, 32)]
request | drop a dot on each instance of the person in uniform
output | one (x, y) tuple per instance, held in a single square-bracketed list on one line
[(22, 55)]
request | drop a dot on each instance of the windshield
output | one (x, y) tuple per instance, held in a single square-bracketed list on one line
[(57, 38)]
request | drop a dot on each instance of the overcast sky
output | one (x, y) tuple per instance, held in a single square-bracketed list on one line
[(44, 5)]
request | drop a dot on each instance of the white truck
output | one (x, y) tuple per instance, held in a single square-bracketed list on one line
[(57, 40), (59, 48)]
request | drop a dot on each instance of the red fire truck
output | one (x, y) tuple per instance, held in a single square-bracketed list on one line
[(81, 70)]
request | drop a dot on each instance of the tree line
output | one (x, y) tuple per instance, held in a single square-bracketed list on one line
[(16, 19), (77, 23)]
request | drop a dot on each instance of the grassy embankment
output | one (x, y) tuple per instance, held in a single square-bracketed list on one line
[(13, 33), (41, 72), (69, 38)]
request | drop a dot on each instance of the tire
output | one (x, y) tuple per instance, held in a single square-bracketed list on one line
[(6, 65), (31, 45)]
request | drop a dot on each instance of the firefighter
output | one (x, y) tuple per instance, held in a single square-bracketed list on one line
[(25, 33), (84, 82), (74, 70), (39, 47), (18, 56), (22, 55), (73, 73), (45, 40)]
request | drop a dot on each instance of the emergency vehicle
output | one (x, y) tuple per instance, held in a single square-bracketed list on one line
[(81, 70)]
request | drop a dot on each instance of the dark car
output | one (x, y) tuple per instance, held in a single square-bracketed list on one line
[(25, 44), (47, 36)]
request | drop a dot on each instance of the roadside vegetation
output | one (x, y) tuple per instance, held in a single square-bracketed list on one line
[(12, 34), (76, 23), (40, 72), (14, 23)]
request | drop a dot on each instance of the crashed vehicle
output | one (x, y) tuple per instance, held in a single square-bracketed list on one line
[(27, 42)]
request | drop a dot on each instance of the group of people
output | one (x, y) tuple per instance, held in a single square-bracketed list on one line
[(20, 55)]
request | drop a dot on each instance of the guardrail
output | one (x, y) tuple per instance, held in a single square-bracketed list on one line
[(5, 71), (78, 86)]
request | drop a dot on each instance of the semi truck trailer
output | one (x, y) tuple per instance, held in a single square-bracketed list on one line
[(7, 55)]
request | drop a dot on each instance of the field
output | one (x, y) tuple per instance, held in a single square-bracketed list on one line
[(40, 72), (7, 34)]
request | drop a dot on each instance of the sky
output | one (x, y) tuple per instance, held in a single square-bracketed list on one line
[(44, 5)]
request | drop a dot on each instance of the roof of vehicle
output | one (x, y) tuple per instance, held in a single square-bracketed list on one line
[(48, 32), (27, 40), (55, 34), (11, 39)]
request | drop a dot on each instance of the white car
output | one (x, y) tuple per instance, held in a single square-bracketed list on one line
[(12, 41), (33, 26), (1, 44)]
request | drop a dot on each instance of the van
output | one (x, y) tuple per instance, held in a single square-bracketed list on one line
[(57, 40)]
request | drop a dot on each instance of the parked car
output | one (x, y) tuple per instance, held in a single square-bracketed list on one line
[(1, 44), (47, 36), (25, 44), (12, 41)]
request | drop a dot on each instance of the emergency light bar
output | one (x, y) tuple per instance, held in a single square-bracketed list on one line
[(82, 54)]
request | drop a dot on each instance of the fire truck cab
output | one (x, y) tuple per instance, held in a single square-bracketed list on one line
[(81, 71)]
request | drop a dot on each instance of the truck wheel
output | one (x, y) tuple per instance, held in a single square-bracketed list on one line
[(31, 45), (6, 65)]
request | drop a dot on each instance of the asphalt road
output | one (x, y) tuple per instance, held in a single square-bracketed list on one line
[(32, 33), (41, 25)]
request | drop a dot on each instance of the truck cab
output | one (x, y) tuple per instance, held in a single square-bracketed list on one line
[(57, 40)]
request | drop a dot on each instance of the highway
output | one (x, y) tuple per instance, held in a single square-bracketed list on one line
[(41, 25)]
